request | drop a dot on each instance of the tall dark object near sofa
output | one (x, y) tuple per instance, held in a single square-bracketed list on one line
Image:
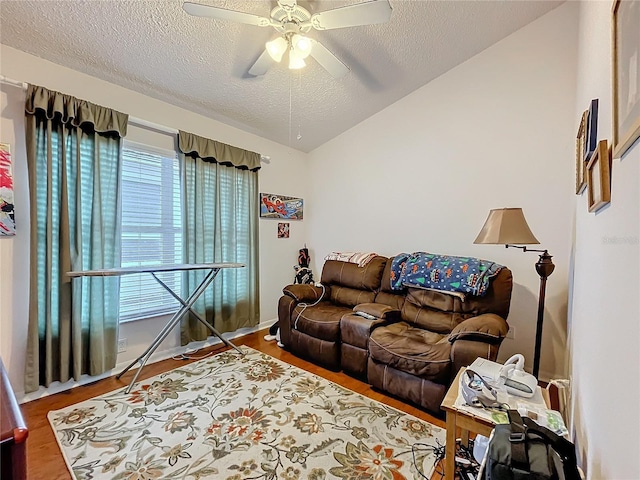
[(417, 340)]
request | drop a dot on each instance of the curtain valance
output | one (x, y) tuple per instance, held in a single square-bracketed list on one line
[(75, 111), (213, 151)]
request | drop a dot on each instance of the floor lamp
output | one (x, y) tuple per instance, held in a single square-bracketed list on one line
[(507, 226)]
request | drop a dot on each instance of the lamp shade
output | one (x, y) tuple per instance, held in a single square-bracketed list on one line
[(302, 45), (506, 226), (295, 61), (276, 48)]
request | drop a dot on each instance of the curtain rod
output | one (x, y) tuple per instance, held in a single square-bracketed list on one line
[(136, 121), (153, 126), (15, 83)]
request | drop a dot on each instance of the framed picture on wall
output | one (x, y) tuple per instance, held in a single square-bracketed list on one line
[(626, 74), (591, 137), (7, 218), (281, 206), (599, 177), (283, 230), (581, 165)]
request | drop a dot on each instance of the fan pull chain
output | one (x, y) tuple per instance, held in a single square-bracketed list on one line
[(290, 74), (299, 136)]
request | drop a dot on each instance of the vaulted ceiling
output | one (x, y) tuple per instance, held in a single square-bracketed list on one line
[(201, 64)]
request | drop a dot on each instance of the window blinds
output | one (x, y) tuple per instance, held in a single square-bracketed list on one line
[(151, 228)]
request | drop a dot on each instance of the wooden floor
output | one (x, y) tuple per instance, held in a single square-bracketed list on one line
[(44, 460)]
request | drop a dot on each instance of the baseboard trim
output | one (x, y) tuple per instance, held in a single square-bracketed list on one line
[(547, 376), (57, 387)]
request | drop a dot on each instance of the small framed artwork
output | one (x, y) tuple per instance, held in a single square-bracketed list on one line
[(7, 218), (581, 165), (626, 74), (591, 137), (599, 177), (280, 206), (283, 230)]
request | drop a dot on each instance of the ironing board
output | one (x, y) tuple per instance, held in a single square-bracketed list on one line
[(186, 305)]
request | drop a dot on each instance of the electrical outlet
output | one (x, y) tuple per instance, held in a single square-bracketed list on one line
[(512, 332), (122, 345)]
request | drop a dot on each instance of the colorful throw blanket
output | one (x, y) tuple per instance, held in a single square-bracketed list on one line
[(443, 272), (361, 258)]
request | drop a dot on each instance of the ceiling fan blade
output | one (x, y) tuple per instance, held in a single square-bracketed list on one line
[(368, 13), (200, 10), (328, 60), (262, 64)]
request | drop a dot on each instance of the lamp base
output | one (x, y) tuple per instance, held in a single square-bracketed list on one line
[(544, 267)]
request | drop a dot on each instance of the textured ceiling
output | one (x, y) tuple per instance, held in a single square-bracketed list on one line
[(201, 64)]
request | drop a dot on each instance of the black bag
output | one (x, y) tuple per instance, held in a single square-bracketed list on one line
[(526, 450)]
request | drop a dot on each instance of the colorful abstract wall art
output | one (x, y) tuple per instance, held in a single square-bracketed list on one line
[(279, 206), (7, 220)]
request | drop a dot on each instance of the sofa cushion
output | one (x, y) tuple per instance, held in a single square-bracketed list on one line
[(386, 295), (412, 350), (441, 313), (385, 283), (429, 318), (394, 300), (352, 276), (321, 321), (349, 297)]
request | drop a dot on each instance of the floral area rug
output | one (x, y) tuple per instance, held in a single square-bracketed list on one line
[(250, 417)]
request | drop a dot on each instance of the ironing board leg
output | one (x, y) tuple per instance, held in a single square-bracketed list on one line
[(175, 319), (199, 317)]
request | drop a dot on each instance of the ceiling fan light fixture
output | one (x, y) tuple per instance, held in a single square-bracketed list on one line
[(296, 62), (293, 22), (302, 45), (276, 48)]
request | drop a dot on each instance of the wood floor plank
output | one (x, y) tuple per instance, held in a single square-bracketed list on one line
[(45, 461)]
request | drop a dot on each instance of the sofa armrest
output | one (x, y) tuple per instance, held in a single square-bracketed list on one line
[(379, 310), (489, 328), (304, 292), (464, 352)]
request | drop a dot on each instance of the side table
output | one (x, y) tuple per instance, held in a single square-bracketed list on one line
[(466, 421)]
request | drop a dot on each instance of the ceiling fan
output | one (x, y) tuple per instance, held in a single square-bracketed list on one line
[(293, 22)]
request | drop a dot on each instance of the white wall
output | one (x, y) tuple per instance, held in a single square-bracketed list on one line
[(604, 331), (496, 131), (286, 174)]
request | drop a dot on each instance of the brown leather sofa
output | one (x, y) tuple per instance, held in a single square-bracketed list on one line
[(314, 332), (412, 342)]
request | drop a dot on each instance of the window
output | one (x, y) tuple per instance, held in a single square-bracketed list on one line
[(151, 229)]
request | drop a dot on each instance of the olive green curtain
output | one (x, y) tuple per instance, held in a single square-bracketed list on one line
[(73, 156), (220, 199)]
